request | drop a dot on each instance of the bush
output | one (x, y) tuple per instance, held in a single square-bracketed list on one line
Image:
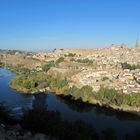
[(46, 67), (59, 60), (114, 97), (131, 67), (105, 78), (88, 61), (72, 59), (84, 93), (70, 55), (105, 95)]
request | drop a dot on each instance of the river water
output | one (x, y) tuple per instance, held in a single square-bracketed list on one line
[(100, 118)]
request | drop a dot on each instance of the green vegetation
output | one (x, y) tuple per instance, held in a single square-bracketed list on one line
[(18, 69), (86, 60), (35, 81), (59, 60), (111, 96), (131, 67), (27, 81), (57, 84), (50, 64), (104, 96), (85, 93), (70, 55), (47, 66), (1, 65), (72, 59), (105, 78)]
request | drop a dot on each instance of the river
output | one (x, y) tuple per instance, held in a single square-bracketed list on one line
[(100, 118)]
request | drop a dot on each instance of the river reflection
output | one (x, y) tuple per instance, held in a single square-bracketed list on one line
[(101, 118), (76, 105), (79, 106), (39, 101)]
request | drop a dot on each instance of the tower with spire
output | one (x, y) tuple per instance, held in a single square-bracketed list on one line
[(137, 43)]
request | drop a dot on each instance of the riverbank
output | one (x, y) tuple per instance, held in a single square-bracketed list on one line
[(124, 108), (40, 82), (37, 124), (100, 118), (23, 91)]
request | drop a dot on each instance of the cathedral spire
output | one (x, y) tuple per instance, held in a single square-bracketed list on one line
[(137, 43)]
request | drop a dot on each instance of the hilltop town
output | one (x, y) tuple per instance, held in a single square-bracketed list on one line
[(104, 67), (116, 66)]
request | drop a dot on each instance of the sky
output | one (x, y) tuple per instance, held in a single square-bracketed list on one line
[(49, 24)]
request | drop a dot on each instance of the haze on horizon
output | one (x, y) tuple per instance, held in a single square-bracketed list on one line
[(46, 24)]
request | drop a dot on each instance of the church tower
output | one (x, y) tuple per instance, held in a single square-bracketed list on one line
[(137, 43)]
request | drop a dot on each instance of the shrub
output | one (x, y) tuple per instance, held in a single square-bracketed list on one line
[(105, 78), (59, 60), (128, 66), (46, 67), (70, 55), (86, 60)]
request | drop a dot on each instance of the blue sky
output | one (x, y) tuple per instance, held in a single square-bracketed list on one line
[(46, 24)]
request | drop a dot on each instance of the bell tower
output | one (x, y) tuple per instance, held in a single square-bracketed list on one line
[(137, 43)]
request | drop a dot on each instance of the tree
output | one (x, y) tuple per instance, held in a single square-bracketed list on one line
[(27, 84), (46, 67), (59, 60)]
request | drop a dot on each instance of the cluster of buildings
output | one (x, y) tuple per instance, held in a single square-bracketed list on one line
[(106, 69)]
